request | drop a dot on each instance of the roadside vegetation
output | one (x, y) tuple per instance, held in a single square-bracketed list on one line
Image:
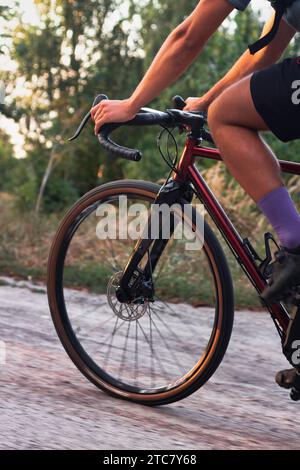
[(74, 53)]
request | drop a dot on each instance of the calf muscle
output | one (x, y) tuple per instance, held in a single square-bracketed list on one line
[(235, 125)]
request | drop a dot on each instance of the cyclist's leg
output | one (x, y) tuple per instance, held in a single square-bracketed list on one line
[(235, 124)]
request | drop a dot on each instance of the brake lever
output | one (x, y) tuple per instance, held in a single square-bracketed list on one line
[(87, 117), (178, 102), (81, 126)]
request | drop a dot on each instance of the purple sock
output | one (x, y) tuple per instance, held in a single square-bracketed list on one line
[(282, 214)]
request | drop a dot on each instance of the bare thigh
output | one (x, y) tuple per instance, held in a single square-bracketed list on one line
[(235, 107)]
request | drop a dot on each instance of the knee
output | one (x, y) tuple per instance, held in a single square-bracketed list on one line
[(216, 118)]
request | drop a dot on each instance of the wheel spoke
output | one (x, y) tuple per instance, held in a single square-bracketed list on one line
[(172, 353), (152, 350), (156, 310), (143, 345), (122, 362)]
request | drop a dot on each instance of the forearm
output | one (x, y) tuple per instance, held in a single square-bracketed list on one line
[(180, 49), (248, 64)]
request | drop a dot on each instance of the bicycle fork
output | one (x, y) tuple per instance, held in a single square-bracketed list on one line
[(136, 283)]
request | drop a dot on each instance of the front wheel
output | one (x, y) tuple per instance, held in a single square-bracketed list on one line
[(152, 352)]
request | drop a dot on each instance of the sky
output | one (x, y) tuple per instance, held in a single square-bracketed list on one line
[(30, 15)]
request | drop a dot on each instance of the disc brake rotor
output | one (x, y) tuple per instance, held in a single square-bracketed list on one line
[(130, 311)]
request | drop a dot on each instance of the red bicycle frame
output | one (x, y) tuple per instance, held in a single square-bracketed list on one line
[(187, 171)]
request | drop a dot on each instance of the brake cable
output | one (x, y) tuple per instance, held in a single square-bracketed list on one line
[(170, 161)]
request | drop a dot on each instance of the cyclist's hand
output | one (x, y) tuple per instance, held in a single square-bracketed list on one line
[(112, 111), (196, 104)]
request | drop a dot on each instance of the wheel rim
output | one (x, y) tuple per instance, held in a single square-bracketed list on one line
[(104, 370)]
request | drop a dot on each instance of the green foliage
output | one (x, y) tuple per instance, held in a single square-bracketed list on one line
[(82, 48), (8, 163), (75, 52), (59, 195), (26, 194), (6, 14)]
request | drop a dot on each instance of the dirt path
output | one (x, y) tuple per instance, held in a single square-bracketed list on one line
[(46, 403)]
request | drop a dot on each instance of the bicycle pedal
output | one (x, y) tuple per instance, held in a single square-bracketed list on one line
[(295, 394)]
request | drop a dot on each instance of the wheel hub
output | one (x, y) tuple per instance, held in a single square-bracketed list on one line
[(127, 311)]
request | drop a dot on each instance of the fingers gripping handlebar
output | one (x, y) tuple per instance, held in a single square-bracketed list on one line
[(103, 136), (104, 140), (146, 116), (179, 103)]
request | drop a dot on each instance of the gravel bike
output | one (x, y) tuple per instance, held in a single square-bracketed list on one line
[(150, 321)]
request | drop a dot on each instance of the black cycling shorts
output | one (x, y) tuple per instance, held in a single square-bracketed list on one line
[(276, 96)]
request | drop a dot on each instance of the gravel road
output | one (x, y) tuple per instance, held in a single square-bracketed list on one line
[(46, 403)]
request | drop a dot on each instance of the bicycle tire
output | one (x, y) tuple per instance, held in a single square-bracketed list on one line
[(225, 306)]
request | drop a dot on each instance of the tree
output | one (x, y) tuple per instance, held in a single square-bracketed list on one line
[(82, 48), (74, 53), (7, 162), (6, 14)]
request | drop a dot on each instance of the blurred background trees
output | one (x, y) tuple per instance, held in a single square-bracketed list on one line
[(81, 48), (58, 64), (78, 49)]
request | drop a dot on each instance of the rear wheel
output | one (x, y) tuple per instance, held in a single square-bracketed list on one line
[(153, 352)]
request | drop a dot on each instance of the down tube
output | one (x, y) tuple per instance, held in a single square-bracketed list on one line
[(233, 239)]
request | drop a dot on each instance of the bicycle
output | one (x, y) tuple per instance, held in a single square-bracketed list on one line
[(132, 334)]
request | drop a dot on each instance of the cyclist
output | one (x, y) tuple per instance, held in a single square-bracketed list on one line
[(255, 95)]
